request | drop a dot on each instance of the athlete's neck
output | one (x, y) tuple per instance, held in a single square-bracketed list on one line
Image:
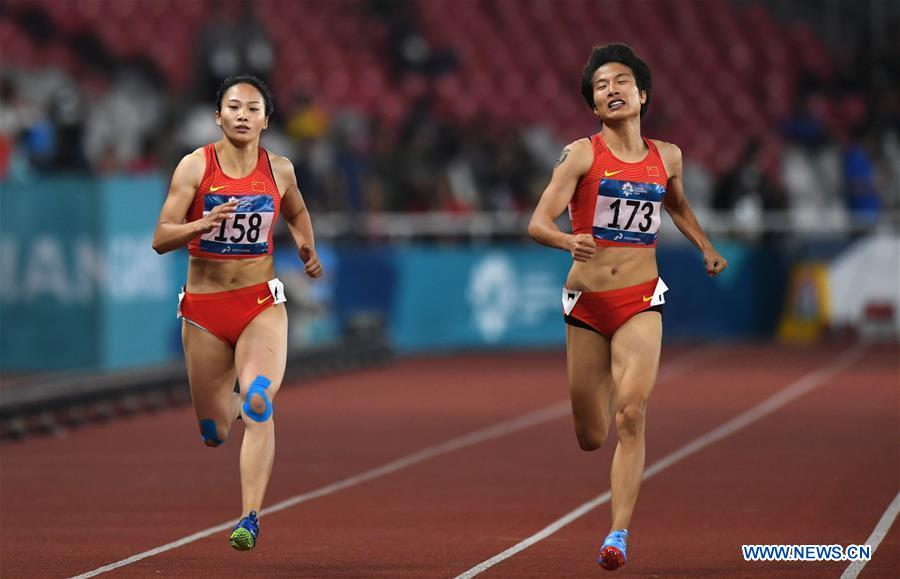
[(235, 160), (624, 140)]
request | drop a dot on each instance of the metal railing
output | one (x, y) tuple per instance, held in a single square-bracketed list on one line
[(486, 226)]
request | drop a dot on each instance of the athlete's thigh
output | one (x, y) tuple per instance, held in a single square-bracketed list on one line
[(262, 349), (590, 377), (211, 373), (635, 351)]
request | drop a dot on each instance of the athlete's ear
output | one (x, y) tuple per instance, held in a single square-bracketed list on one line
[(643, 96), (266, 123), (218, 118)]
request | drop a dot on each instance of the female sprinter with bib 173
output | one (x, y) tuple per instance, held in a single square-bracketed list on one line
[(615, 184), (223, 202)]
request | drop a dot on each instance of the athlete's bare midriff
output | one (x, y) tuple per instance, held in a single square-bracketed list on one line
[(218, 275), (613, 268)]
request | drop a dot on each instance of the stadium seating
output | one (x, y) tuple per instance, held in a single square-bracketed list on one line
[(722, 71)]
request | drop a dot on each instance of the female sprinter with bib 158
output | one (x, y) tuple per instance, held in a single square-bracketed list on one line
[(223, 202), (615, 184)]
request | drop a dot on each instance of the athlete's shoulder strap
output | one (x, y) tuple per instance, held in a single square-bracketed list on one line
[(598, 143), (264, 164), (211, 162), (651, 146)]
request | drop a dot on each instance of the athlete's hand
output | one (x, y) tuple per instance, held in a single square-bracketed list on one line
[(714, 262), (582, 246), (219, 214), (310, 261)]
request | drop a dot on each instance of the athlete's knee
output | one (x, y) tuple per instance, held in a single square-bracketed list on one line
[(212, 434), (258, 407), (590, 439), (631, 417), (257, 403)]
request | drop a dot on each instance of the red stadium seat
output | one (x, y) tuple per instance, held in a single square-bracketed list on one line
[(518, 60)]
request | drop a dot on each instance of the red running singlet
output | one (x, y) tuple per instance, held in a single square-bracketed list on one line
[(619, 203), (247, 233)]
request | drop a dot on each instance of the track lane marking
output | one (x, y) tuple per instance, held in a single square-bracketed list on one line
[(676, 367), (881, 530), (789, 393)]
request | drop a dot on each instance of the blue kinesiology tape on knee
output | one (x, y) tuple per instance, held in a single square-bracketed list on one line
[(258, 388), (208, 432)]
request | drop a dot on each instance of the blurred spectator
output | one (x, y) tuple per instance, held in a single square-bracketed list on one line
[(410, 50), (699, 184), (747, 191), (805, 125), (746, 182), (67, 113), (812, 180), (891, 165), (16, 116), (124, 119), (863, 199), (810, 163), (350, 166), (470, 141), (306, 119), (149, 158), (232, 42)]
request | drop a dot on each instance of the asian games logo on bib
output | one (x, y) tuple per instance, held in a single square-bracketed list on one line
[(244, 204), (629, 189)]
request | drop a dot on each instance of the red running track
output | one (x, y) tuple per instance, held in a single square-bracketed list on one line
[(821, 469)]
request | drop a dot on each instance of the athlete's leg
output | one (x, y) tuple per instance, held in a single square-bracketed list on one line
[(635, 362), (261, 355), (590, 385), (211, 374)]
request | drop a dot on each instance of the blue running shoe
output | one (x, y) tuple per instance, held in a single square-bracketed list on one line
[(612, 553), (244, 534)]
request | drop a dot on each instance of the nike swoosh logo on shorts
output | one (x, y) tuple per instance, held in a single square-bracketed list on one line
[(611, 173), (217, 188), (263, 300), (648, 298)]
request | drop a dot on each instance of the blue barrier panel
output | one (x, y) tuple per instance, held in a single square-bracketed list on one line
[(138, 293), (365, 280), (744, 301), (510, 296), (464, 298), (310, 302), (81, 286), (48, 310)]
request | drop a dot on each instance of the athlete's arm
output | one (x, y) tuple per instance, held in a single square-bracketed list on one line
[(677, 205), (294, 211), (171, 230), (575, 160)]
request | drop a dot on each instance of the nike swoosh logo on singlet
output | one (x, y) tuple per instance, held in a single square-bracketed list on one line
[(217, 188), (611, 173)]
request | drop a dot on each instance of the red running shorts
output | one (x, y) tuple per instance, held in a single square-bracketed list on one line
[(605, 312), (226, 314)]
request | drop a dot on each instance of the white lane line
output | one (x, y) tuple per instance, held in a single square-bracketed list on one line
[(545, 414), (560, 409), (881, 529), (791, 392)]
